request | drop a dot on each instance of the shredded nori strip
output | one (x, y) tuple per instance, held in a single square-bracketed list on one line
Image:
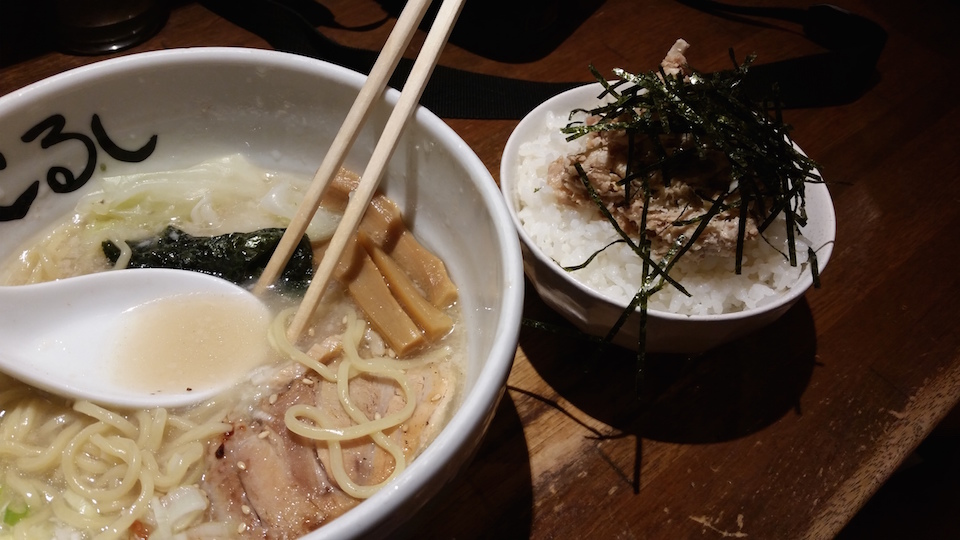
[(236, 257)]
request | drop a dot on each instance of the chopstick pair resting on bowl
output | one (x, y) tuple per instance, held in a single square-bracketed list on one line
[(373, 88)]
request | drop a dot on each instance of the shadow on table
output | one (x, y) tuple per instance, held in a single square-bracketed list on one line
[(727, 393), (510, 31), (495, 486)]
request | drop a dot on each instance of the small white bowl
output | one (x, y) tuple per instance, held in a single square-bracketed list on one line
[(282, 111), (594, 313)]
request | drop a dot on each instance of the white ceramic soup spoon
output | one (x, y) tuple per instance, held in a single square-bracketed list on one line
[(133, 338)]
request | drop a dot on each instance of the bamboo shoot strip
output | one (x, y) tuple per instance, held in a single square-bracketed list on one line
[(423, 267), (368, 289), (434, 322), (416, 278), (383, 226)]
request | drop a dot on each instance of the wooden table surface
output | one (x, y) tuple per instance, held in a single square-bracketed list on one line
[(784, 434)]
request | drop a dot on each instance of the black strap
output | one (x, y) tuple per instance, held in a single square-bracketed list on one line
[(837, 76)]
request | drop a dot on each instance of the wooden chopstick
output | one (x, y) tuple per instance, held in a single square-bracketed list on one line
[(370, 179), (372, 89)]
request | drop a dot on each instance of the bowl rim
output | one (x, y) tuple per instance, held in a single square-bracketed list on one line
[(449, 451), (581, 96)]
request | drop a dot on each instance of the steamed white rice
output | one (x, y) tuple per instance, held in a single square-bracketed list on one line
[(570, 235)]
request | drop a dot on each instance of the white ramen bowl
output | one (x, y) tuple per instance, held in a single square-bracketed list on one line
[(594, 313), (282, 111)]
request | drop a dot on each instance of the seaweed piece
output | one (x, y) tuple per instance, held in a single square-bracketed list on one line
[(236, 257)]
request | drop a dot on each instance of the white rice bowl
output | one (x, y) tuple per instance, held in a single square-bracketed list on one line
[(722, 305)]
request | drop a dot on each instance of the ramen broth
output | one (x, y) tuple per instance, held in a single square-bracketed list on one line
[(189, 342), (316, 426)]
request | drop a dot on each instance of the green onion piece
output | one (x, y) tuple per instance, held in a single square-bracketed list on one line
[(15, 511)]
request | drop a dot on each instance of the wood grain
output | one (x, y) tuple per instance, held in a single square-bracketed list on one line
[(783, 434)]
